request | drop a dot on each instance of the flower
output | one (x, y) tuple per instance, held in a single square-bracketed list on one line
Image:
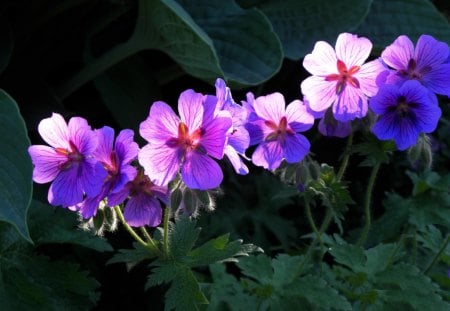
[(276, 131), (143, 206), (404, 112), (116, 158), (185, 144), (340, 77), (238, 137), (69, 162), (426, 63)]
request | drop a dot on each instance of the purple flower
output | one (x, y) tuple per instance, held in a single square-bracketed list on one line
[(427, 63), (329, 126), (238, 137), (185, 144), (404, 112), (340, 77), (68, 162), (276, 131), (116, 158), (143, 207)]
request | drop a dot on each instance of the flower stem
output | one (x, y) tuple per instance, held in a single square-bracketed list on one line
[(347, 153), (166, 232), (129, 229), (312, 223), (148, 237), (439, 253), (367, 201)]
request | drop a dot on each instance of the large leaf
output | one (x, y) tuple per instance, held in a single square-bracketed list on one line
[(15, 166), (300, 23), (390, 18)]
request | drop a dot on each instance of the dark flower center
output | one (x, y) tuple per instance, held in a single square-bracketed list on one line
[(403, 108), (344, 77), (185, 141), (72, 154), (141, 184), (279, 130), (413, 72)]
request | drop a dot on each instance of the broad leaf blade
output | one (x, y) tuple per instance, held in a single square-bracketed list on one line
[(388, 19), (300, 23), (15, 166)]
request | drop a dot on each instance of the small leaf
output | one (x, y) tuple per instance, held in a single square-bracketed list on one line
[(182, 236), (257, 267), (300, 23), (349, 255), (388, 19), (15, 166)]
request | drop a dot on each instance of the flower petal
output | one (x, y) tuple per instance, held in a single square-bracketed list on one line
[(126, 148), (215, 136), (270, 107), (105, 137), (47, 163), (296, 147), (351, 104), (66, 189), (161, 163), (118, 197), (371, 76), (142, 210), (239, 140), (201, 172), (322, 61), (190, 107), (399, 53), (54, 131), (236, 161), (321, 94), (268, 155), (91, 176), (161, 123), (353, 51), (82, 136), (438, 80), (336, 128), (430, 52), (298, 117)]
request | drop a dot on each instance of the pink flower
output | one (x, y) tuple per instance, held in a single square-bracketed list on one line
[(341, 79)]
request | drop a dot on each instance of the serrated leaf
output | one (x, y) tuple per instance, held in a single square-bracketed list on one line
[(60, 226), (131, 256), (15, 166), (318, 293), (257, 267), (182, 236), (351, 256), (300, 23), (284, 267), (388, 19), (164, 271)]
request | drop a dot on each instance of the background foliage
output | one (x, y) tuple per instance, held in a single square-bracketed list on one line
[(108, 60)]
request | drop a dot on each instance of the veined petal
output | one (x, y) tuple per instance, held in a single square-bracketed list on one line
[(199, 171), (91, 175), (298, 117), (47, 163), (126, 148), (161, 163), (190, 107), (54, 131), (268, 155), (118, 197), (66, 189), (296, 147), (142, 210), (239, 139), (161, 123), (82, 136), (321, 94), (353, 51), (322, 61), (430, 53), (215, 136), (351, 104), (127, 174), (438, 80), (236, 161), (105, 137), (371, 76), (336, 128), (386, 97), (399, 53), (270, 107)]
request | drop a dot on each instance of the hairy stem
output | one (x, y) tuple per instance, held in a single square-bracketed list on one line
[(347, 153), (129, 229), (439, 253), (148, 238), (312, 223), (367, 201), (166, 232)]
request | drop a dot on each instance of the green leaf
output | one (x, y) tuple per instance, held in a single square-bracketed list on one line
[(257, 267), (351, 256), (15, 166), (388, 19), (248, 50), (60, 226), (301, 23), (131, 256), (182, 237)]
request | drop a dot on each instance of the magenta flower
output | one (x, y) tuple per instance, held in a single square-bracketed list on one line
[(143, 207), (404, 112), (238, 137), (116, 158), (185, 144), (276, 131), (427, 63), (340, 78), (68, 162)]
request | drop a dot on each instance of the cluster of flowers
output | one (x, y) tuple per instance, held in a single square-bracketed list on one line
[(90, 166)]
